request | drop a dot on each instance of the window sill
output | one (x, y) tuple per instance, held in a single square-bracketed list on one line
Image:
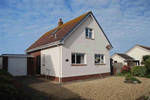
[(90, 38), (78, 64), (100, 64)]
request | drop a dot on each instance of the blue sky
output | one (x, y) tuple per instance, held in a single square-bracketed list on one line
[(125, 22)]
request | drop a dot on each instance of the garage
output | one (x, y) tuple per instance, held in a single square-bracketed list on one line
[(17, 64)]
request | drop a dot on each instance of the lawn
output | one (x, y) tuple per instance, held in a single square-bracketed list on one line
[(110, 88)]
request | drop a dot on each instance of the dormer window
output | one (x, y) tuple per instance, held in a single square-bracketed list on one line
[(56, 35), (89, 33)]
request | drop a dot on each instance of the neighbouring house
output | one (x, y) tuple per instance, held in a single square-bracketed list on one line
[(133, 55), (74, 50), (17, 64)]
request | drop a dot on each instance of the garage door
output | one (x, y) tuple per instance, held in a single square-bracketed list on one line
[(17, 66)]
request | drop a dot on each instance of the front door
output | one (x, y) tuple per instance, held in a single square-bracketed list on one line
[(38, 64)]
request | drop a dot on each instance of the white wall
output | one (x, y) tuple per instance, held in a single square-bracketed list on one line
[(52, 58), (137, 53), (77, 42), (118, 59), (1, 62)]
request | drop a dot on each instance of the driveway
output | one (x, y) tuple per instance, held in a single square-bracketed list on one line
[(110, 88)]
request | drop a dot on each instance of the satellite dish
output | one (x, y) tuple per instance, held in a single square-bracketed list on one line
[(108, 47), (97, 59)]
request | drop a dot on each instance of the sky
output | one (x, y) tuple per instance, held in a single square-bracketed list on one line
[(22, 22)]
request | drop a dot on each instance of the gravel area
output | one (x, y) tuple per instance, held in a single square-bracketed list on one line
[(110, 88)]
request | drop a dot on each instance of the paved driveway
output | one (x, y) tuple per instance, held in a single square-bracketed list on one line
[(110, 88)]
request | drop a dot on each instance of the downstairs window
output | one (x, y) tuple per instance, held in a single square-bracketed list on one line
[(78, 58)]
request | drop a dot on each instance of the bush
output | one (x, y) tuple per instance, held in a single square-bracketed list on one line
[(148, 76), (123, 74), (129, 76), (145, 57), (135, 79), (8, 91), (5, 73), (5, 79), (138, 71), (125, 68), (147, 64)]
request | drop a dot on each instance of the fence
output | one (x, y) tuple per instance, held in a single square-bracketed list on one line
[(117, 68)]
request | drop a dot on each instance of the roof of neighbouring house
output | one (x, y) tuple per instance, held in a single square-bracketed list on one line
[(62, 31), (147, 48), (125, 56)]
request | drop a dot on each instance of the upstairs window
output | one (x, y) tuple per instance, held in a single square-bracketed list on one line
[(99, 59), (78, 58), (89, 33)]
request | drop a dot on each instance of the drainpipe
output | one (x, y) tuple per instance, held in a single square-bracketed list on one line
[(59, 63)]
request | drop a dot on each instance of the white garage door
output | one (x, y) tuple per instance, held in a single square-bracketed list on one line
[(17, 66)]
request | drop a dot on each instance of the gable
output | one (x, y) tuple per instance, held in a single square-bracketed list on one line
[(137, 47), (78, 39), (95, 24), (116, 56)]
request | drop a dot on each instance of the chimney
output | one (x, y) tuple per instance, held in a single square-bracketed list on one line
[(60, 22)]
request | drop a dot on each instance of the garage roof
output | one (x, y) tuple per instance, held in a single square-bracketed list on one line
[(16, 55)]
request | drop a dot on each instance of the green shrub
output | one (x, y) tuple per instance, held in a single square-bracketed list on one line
[(145, 57), (3, 72), (5, 79), (8, 92), (138, 71), (123, 74), (135, 79), (147, 64), (148, 76), (129, 76)]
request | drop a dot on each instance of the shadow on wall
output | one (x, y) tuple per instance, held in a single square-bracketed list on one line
[(32, 88), (49, 65), (70, 41)]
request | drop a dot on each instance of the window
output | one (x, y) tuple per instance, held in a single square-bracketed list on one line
[(43, 59), (78, 58), (115, 61), (89, 33), (99, 59)]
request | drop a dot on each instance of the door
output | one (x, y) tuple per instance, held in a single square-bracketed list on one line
[(17, 66), (38, 64)]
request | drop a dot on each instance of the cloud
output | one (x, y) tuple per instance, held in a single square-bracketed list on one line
[(125, 22)]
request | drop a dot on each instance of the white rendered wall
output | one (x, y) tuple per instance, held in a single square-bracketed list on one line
[(137, 53), (77, 43), (52, 61), (1, 59), (118, 59)]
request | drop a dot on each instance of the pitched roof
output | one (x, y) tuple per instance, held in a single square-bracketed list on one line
[(147, 48), (62, 31), (125, 56)]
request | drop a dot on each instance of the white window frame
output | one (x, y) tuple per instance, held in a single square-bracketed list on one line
[(100, 59), (89, 30), (43, 59), (75, 58)]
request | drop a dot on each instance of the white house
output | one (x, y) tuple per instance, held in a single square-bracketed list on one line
[(74, 50), (134, 54)]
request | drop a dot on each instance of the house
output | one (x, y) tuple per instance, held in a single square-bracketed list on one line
[(134, 55), (74, 50)]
